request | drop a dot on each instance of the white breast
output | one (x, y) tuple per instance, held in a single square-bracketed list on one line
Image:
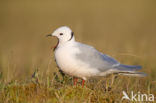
[(66, 60)]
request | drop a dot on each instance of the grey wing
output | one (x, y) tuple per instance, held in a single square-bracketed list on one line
[(94, 58)]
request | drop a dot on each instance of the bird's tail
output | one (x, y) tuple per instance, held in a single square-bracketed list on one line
[(129, 70)]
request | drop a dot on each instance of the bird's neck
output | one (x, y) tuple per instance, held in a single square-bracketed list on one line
[(63, 43)]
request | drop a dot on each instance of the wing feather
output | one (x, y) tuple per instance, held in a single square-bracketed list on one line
[(94, 58)]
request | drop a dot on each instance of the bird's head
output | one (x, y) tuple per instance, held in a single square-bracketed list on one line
[(64, 34)]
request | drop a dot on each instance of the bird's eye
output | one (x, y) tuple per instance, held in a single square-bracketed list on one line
[(61, 34)]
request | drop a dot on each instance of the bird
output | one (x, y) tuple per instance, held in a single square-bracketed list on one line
[(84, 61)]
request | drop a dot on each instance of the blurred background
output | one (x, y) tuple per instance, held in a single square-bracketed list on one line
[(123, 29)]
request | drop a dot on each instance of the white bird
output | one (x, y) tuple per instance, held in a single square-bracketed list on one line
[(84, 61)]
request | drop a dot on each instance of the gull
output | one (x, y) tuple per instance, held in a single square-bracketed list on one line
[(83, 61)]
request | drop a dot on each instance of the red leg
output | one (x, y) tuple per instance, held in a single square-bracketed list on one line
[(83, 81), (75, 81)]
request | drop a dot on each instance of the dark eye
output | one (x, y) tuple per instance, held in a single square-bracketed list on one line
[(61, 34)]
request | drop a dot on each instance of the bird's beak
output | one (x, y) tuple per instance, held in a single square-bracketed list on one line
[(48, 35)]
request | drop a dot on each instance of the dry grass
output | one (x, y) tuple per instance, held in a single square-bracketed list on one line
[(122, 29), (57, 89)]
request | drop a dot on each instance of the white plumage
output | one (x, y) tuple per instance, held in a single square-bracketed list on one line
[(83, 61)]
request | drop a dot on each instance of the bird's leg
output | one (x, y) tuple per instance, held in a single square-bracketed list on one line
[(75, 80), (83, 81)]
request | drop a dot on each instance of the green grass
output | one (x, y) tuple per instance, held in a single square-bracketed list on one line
[(59, 89)]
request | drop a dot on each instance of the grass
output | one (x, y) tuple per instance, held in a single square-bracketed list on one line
[(59, 89)]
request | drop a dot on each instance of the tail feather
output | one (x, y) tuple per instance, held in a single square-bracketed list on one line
[(138, 74), (128, 67), (129, 70)]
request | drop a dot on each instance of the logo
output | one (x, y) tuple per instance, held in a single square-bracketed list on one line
[(138, 96)]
